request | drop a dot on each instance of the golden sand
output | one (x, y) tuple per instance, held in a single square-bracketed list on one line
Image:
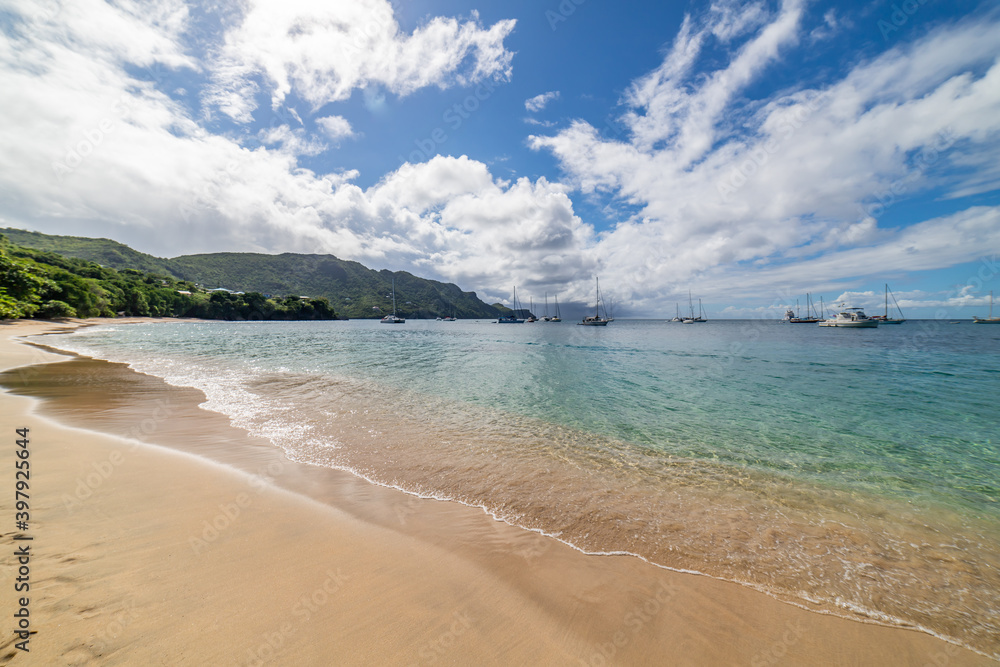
[(229, 554)]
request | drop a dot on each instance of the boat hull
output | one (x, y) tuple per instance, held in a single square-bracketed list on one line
[(867, 324)]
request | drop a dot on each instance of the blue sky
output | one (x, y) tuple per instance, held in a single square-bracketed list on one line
[(747, 151)]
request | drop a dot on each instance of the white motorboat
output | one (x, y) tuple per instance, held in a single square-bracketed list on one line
[(854, 318)]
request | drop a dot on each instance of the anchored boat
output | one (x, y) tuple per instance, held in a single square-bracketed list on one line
[(853, 318)]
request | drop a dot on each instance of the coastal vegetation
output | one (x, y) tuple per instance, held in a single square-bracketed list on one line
[(43, 284), (352, 289)]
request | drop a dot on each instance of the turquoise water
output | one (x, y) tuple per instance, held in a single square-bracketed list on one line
[(856, 471)]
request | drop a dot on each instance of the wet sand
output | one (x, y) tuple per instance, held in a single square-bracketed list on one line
[(163, 535)]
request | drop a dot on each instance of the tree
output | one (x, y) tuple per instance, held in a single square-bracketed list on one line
[(53, 309)]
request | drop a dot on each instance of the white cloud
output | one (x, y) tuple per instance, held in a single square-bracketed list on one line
[(539, 102), (539, 123), (466, 226), (132, 164), (831, 26), (293, 141), (324, 51), (116, 157), (728, 19), (335, 127), (720, 183)]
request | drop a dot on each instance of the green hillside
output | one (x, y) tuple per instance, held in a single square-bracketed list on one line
[(102, 251), (43, 284), (352, 289)]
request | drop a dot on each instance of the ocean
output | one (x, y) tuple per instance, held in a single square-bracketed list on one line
[(853, 472)]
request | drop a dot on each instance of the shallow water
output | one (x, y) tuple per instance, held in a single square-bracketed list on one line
[(854, 470)]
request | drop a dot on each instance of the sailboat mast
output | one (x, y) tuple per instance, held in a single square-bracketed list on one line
[(597, 304)]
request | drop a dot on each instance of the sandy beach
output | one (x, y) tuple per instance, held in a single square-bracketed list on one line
[(161, 534)]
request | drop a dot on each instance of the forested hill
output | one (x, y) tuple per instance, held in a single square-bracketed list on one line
[(352, 289), (43, 284)]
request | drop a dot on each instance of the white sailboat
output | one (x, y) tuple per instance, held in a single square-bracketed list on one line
[(556, 317), (393, 319), (701, 313), (689, 319), (596, 320), (990, 319), (692, 319)]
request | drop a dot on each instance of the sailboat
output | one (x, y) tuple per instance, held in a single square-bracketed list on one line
[(556, 317), (531, 314), (885, 319), (990, 319), (689, 320), (393, 319), (677, 317), (512, 317), (692, 319), (809, 318), (596, 320)]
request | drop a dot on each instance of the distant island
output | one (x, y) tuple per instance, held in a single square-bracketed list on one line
[(43, 275)]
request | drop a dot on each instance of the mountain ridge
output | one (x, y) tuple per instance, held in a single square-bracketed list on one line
[(353, 289)]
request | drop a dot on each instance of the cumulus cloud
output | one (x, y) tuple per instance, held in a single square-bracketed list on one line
[(116, 157), (466, 225), (539, 102), (335, 127), (720, 181), (324, 51), (86, 147)]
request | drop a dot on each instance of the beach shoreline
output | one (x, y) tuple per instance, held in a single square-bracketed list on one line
[(133, 524)]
